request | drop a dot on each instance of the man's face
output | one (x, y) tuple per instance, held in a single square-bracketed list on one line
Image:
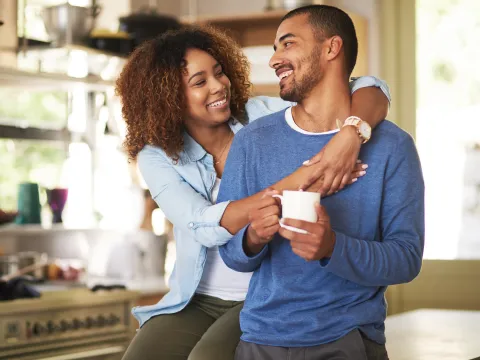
[(297, 60)]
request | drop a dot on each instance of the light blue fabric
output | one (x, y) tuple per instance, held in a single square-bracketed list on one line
[(183, 191), (379, 227)]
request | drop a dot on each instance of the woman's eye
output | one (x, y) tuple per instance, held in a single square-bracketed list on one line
[(220, 73), (200, 83)]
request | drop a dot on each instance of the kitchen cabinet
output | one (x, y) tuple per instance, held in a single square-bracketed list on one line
[(441, 284), (259, 29)]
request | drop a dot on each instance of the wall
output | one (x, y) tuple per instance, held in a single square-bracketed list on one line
[(365, 8)]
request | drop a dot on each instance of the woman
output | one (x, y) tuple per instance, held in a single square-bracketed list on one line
[(184, 97)]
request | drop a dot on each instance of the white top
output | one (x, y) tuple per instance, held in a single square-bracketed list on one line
[(218, 280), (294, 126)]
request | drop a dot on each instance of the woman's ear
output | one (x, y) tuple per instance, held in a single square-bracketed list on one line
[(334, 47)]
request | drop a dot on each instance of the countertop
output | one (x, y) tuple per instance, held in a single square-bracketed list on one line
[(145, 286), (429, 334)]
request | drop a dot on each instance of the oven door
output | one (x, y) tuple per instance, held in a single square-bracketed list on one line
[(108, 353)]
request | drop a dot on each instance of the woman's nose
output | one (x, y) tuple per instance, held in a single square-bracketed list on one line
[(216, 86)]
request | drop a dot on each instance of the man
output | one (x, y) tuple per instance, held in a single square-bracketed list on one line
[(320, 295)]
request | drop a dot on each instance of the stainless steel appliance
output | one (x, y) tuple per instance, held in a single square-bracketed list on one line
[(67, 325), (289, 4), (67, 24)]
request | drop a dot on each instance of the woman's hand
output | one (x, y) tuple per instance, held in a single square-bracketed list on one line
[(359, 170), (335, 164)]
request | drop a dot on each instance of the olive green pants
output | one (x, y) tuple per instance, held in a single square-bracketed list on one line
[(207, 329)]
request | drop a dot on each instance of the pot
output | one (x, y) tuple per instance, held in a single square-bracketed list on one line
[(289, 4), (68, 24), (147, 24)]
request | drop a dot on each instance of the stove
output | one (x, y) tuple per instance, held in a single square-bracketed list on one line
[(67, 325)]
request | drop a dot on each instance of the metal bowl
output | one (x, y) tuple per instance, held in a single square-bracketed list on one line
[(67, 24)]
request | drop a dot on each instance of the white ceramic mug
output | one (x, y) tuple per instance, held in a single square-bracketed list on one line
[(299, 205)]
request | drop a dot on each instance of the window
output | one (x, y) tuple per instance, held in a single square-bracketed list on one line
[(448, 126)]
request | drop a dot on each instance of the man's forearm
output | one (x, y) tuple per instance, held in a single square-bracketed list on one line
[(370, 104), (373, 263)]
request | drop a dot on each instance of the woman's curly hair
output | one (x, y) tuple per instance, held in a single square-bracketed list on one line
[(151, 91)]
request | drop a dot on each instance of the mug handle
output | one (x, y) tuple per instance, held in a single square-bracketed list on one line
[(291, 228), (278, 196)]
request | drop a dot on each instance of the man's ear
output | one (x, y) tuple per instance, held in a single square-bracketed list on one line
[(334, 47)]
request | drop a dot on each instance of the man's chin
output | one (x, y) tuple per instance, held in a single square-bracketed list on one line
[(287, 95)]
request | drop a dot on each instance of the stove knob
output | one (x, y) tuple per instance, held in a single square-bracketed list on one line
[(77, 324), (113, 320), (50, 327), (63, 326), (38, 329), (101, 321), (89, 322)]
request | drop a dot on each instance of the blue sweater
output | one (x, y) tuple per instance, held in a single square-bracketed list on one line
[(379, 226)]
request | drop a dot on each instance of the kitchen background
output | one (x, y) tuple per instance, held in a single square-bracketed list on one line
[(61, 128)]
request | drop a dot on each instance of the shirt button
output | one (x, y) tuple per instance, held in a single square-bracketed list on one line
[(190, 225)]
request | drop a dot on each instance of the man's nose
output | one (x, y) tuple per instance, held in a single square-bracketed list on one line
[(275, 60)]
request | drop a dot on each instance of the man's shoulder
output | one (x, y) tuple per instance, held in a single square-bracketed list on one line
[(263, 125), (388, 132)]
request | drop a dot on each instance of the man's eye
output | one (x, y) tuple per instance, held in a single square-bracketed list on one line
[(288, 43)]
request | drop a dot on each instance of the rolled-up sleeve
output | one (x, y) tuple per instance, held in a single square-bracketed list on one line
[(260, 106), (369, 81), (183, 206)]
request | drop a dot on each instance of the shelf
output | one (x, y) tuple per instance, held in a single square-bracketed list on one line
[(10, 77), (39, 50), (259, 29)]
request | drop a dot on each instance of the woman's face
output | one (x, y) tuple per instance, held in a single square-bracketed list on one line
[(207, 90)]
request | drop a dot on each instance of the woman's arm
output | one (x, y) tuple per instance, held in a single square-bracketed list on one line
[(260, 106), (183, 206)]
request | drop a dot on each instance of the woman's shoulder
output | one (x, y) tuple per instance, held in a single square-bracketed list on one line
[(153, 154), (260, 106)]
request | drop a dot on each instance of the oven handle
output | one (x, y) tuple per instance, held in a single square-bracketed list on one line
[(90, 354)]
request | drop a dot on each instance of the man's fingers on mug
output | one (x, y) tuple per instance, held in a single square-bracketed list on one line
[(268, 193), (300, 224), (303, 254)]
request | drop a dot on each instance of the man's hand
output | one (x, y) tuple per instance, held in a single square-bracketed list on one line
[(264, 223), (336, 161), (319, 241)]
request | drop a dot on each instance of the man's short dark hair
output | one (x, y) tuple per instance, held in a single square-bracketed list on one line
[(329, 21)]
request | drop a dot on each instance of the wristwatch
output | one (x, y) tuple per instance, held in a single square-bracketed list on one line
[(364, 129)]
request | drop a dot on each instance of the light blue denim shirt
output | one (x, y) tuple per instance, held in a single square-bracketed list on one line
[(183, 191)]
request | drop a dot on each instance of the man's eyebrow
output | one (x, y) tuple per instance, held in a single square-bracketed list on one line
[(282, 38)]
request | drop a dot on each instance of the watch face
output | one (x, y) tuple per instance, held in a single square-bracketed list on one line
[(365, 130)]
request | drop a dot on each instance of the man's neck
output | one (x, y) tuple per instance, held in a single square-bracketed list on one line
[(328, 101)]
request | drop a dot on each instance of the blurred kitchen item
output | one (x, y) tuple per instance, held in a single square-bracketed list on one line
[(147, 24), (17, 288), (28, 204), (23, 271), (56, 199), (8, 265), (29, 258), (289, 4), (68, 24), (7, 216), (68, 324), (120, 42)]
